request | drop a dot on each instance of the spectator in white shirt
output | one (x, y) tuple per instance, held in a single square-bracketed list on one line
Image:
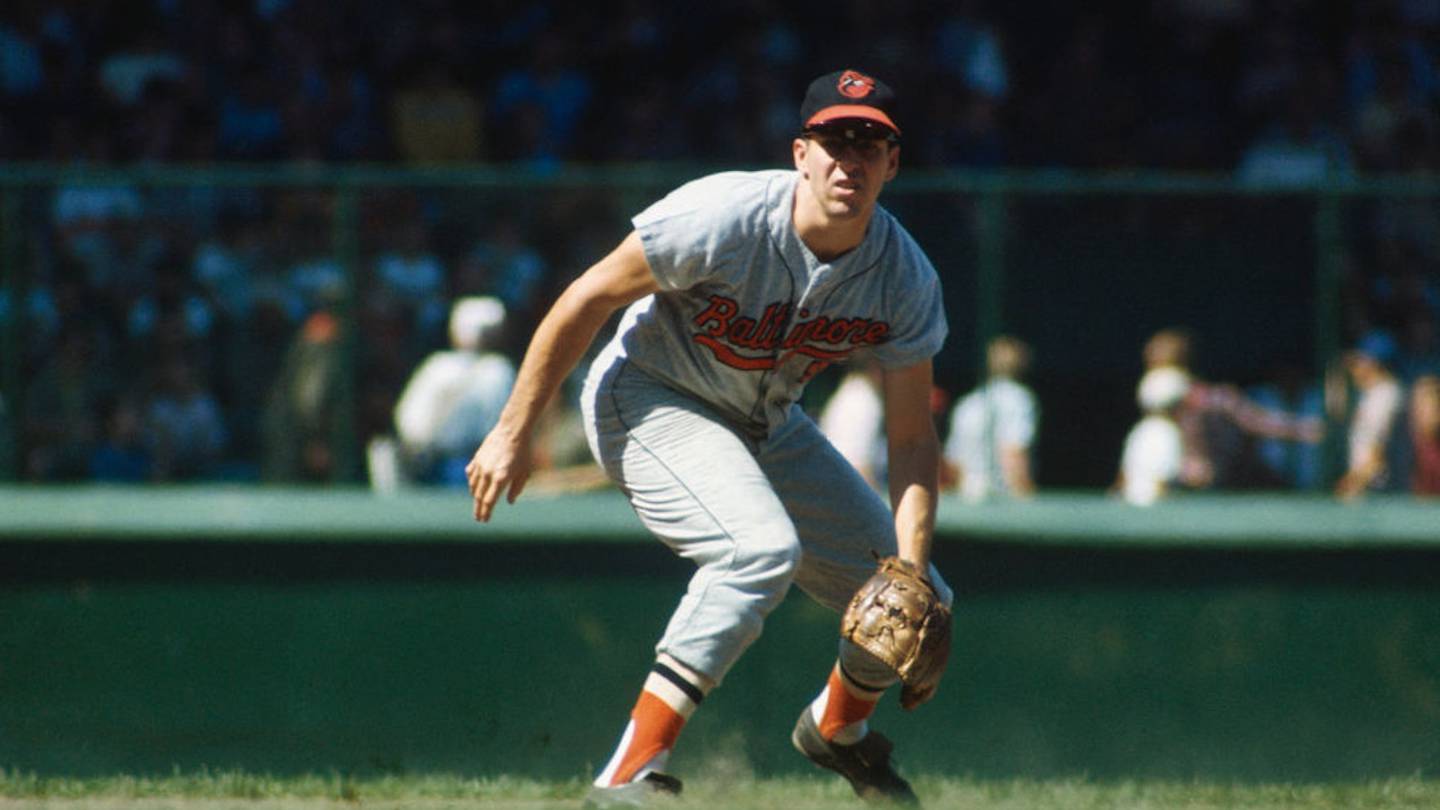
[(1372, 424), (853, 419), (1154, 448), (993, 428), (454, 398)]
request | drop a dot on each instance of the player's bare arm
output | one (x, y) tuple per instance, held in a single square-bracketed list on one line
[(502, 463), (914, 453), (1015, 466)]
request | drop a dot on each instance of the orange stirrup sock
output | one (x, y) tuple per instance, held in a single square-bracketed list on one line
[(843, 707), (666, 702)]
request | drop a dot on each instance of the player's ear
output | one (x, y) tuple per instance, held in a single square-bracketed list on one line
[(798, 148), (892, 168)]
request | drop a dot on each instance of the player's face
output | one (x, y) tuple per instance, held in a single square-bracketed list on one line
[(846, 174)]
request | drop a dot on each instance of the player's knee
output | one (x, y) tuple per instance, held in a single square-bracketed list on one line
[(771, 562)]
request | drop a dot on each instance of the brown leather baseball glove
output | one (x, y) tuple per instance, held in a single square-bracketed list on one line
[(898, 617)]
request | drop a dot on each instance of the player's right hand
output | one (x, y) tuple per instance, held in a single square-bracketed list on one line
[(501, 465)]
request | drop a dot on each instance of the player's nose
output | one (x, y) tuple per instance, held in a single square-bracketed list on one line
[(850, 172)]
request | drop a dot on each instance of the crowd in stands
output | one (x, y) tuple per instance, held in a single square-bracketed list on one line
[(177, 332), (1276, 89)]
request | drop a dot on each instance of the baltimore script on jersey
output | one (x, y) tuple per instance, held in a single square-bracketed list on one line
[(721, 330)]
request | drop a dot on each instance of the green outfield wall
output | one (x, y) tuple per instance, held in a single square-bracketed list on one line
[(143, 630)]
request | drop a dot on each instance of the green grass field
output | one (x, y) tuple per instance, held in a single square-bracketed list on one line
[(214, 791)]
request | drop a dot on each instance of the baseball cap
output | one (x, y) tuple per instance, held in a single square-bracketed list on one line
[(849, 96)]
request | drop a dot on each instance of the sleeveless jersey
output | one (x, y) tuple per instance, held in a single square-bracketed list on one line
[(747, 314)]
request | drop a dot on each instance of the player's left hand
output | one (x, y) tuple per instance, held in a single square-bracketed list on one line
[(502, 464), (900, 617)]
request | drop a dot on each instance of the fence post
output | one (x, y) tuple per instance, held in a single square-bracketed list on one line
[(13, 291), (990, 271), (1329, 274), (344, 443)]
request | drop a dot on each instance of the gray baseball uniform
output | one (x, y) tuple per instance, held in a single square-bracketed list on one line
[(691, 408)]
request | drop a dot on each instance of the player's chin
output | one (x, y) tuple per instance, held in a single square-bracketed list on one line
[(844, 208)]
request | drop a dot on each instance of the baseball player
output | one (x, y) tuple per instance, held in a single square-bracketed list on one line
[(740, 287)]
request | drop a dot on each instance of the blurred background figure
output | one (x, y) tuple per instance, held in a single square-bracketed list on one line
[(1370, 464), (454, 397), (1289, 464), (435, 117), (184, 426), (513, 269), (853, 419), (297, 421), (1425, 434), (60, 422), (993, 427), (542, 103), (123, 454), (410, 276), (1220, 424), (1154, 451)]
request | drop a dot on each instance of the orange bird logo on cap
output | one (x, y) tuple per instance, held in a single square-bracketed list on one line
[(854, 84)]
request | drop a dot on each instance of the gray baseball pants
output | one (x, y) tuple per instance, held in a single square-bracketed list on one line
[(754, 516)]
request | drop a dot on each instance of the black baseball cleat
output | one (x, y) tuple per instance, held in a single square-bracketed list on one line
[(866, 764), (642, 792)]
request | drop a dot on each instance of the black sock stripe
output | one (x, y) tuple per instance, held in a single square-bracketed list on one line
[(859, 683), (691, 690)]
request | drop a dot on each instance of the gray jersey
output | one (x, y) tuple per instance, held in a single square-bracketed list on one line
[(747, 314)]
